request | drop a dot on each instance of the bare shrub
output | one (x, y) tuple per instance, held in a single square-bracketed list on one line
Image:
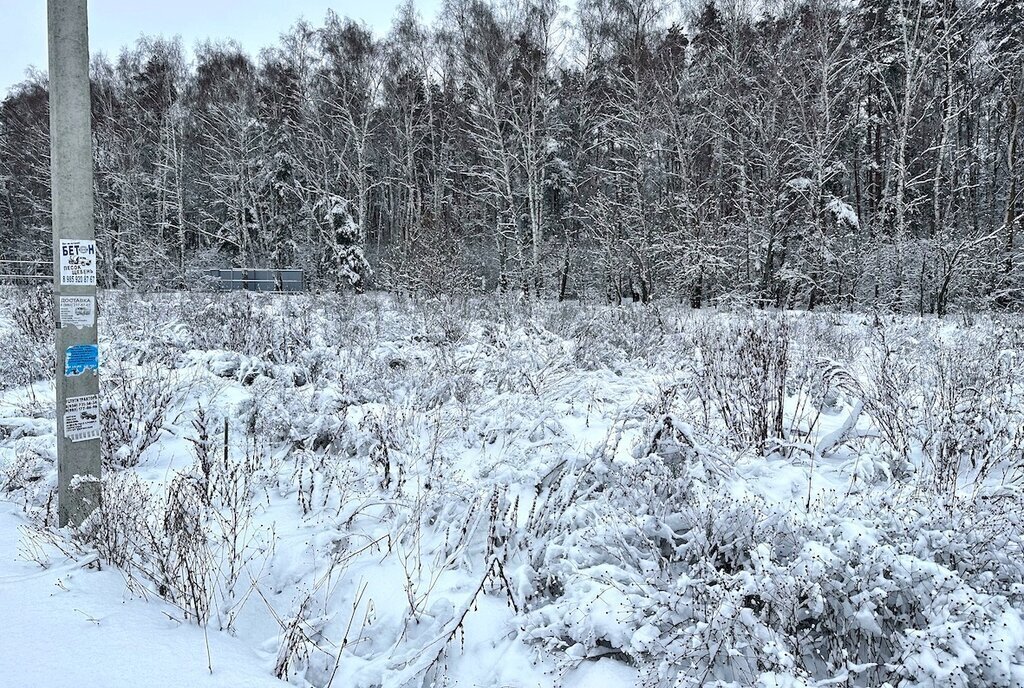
[(742, 378), (381, 446), (190, 545), (119, 529), (34, 317), (438, 267), (160, 541), (890, 391), (971, 422), (184, 562)]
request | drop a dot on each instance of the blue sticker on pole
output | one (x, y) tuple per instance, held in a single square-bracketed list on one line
[(80, 358)]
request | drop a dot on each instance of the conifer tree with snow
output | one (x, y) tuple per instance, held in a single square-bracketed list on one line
[(352, 266)]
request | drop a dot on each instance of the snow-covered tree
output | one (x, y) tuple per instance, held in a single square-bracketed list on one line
[(350, 262), (803, 155)]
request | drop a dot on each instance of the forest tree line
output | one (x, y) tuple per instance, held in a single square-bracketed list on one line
[(805, 154)]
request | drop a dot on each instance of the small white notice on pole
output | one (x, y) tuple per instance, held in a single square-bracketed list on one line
[(77, 311), (82, 418), (78, 262)]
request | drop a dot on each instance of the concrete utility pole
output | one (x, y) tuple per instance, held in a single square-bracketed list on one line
[(74, 263)]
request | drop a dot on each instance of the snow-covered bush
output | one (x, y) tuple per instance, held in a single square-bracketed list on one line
[(607, 338), (34, 317), (133, 407), (703, 583), (29, 343)]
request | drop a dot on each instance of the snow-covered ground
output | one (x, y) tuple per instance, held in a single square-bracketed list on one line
[(68, 623), (371, 491)]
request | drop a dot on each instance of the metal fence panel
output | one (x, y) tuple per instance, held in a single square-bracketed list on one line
[(252, 279)]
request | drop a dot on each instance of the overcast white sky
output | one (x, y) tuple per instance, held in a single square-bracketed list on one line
[(114, 23)]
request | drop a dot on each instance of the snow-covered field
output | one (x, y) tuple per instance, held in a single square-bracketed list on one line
[(374, 491)]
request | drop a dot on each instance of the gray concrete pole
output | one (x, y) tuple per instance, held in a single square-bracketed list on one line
[(74, 262)]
